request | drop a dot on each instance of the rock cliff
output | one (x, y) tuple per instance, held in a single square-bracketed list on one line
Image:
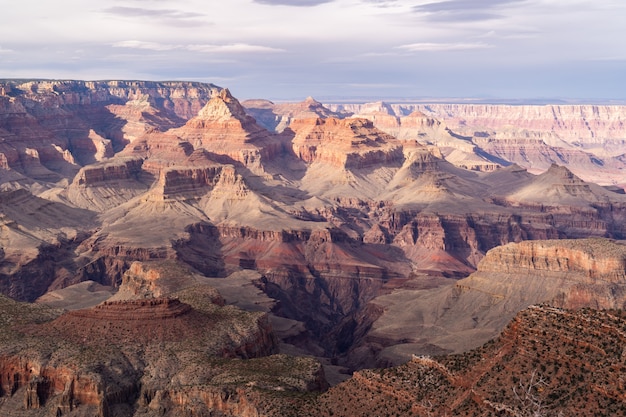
[(580, 273), (353, 143), (127, 358), (50, 128), (588, 139)]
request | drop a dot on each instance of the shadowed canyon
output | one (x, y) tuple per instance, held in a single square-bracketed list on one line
[(166, 250)]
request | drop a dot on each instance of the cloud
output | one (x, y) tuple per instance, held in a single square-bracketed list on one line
[(296, 3), (143, 12), (153, 46), (207, 48), (169, 16), (381, 3), (463, 10), (233, 48), (430, 47), (5, 51)]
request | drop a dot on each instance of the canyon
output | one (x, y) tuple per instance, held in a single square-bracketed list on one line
[(361, 235), (587, 139)]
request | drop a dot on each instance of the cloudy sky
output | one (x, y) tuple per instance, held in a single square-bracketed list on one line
[(290, 49)]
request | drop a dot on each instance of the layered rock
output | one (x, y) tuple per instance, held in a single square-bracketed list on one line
[(223, 127), (588, 139), (351, 143), (105, 185), (127, 358), (582, 122), (192, 181), (276, 117), (159, 149), (417, 126), (157, 279), (183, 98), (51, 127), (565, 273), (333, 213), (587, 273)]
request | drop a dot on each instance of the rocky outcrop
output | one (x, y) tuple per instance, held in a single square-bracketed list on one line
[(595, 259), (585, 273), (127, 358), (180, 181), (157, 279), (224, 128), (276, 117), (547, 360), (58, 390), (588, 139), (222, 119), (119, 169), (568, 273), (51, 128), (159, 149), (132, 310), (350, 143)]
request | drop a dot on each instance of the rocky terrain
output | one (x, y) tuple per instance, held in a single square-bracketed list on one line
[(587, 139), (547, 362), (127, 358), (359, 244), (573, 274)]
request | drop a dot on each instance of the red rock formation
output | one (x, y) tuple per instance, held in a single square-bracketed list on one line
[(120, 169), (547, 360), (66, 121), (223, 127), (333, 211), (128, 358), (350, 143), (278, 116), (178, 181), (588, 139)]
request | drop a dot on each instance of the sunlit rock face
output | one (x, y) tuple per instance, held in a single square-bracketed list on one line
[(587, 139)]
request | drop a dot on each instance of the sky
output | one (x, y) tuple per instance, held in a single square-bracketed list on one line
[(329, 49)]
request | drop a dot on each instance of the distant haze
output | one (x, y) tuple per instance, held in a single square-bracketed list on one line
[(290, 49)]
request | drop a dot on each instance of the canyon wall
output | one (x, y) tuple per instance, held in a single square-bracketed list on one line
[(588, 139), (584, 123)]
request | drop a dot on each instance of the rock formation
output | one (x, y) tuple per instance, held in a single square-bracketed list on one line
[(587, 139), (275, 117), (222, 126), (349, 144), (581, 273), (333, 214), (548, 361), (48, 127), (127, 358)]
